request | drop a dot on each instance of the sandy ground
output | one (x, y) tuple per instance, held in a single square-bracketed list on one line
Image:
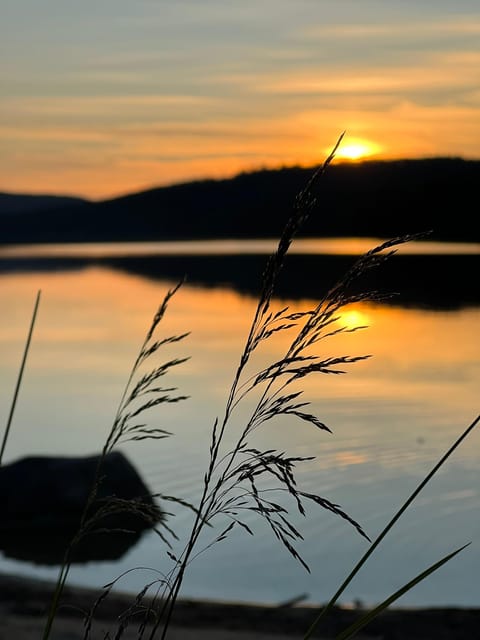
[(18, 628), (24, 602)]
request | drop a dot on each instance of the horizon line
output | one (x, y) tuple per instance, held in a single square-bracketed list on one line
[(232, 176)]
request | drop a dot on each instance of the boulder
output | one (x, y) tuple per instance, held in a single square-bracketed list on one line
[(43, 499)]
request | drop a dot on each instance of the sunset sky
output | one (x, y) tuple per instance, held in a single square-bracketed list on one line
[(103, 98)]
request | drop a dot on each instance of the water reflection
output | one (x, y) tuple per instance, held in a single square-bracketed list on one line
[(433, 280)]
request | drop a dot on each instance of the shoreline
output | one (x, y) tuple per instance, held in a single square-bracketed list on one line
[(25, 601)]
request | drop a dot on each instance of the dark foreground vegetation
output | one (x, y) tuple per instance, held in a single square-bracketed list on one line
[(369, 199)]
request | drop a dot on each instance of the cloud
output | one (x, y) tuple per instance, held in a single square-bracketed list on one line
[(401, 29)]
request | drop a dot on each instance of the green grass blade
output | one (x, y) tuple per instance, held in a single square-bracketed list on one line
[(364, 620), (389, 526), (19, 378)]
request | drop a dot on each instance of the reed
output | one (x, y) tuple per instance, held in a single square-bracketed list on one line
[(18, 384)]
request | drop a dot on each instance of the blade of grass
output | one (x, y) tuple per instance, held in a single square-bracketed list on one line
[(350, 631), (389, 526), (20, 376)]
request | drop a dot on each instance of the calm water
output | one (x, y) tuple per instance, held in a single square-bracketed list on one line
[(392, 416)]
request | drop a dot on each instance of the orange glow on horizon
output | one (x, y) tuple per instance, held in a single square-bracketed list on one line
[(356, 150), (155, 154)]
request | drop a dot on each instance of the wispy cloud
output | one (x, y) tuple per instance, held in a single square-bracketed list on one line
[(401, 29)]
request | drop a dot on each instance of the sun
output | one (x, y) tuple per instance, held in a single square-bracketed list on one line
[(354, 318), (356, 150)]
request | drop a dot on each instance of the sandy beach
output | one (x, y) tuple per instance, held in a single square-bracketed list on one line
[(24, 602)]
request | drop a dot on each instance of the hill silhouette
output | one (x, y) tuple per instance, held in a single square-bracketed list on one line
[(368, 199), (20, 203)]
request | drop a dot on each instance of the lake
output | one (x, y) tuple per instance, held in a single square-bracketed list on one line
[(392, 416)]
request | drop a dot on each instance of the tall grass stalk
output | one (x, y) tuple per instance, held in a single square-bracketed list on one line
[(242, 479), (245, 479), (142, 392), (20, 376)]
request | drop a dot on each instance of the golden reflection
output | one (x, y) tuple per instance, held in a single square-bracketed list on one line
[(98, 300), (91, 323), (354, 318)]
